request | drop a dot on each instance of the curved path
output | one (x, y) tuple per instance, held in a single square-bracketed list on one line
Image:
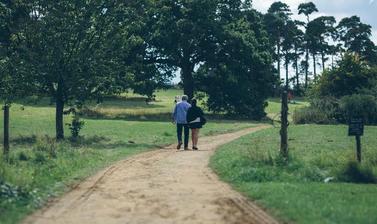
[(162, 186)]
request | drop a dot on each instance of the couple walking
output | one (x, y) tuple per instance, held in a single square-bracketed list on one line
[(188, 116)]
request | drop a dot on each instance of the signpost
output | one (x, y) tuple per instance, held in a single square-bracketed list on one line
[(356, 128)]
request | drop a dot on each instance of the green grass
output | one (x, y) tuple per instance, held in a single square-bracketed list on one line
[(296, 192), (36, 171), (274, 107)]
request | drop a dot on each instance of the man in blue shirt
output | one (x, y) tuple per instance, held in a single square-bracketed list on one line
[(179, 117)]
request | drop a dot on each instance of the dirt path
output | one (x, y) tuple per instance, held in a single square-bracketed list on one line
[(162, 186)]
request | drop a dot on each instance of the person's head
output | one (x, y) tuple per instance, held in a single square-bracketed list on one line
[(184, 98), (193, 102)]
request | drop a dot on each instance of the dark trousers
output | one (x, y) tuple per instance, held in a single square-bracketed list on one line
[(186, 133)]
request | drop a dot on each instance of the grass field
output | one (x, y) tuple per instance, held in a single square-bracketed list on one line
[(274, 107), (40, 168), (297, 192)]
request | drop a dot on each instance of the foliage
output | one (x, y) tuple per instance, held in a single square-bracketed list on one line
[(238, 79), (182, 35), (355, 36), (357, 105), (311, 115), (351, 75)]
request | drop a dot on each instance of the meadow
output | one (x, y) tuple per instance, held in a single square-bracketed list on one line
[(40, 168), (321, 183)]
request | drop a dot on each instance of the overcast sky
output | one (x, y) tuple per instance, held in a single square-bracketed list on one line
[(365, 9)]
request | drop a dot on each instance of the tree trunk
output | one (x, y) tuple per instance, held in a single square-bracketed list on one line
[(306, 68), (332, 61), (278, 49), (6, 130), (297, 73), (323, 62), (59, 112), (188, 80), (314, 65), (284, 125), (286, 74)]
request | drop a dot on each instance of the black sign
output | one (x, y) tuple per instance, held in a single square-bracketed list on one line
[(356, 127)]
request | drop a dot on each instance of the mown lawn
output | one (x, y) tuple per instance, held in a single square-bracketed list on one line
[(40, 168), (297, 192), (274, 107)]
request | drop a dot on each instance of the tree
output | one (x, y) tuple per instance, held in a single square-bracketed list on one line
[(82, 49), (275, 20), (239, 77), (182, 35), (291, 46), (319, 31), (307, 9), (12, 82), (299, 50), (350, 76), (355, 36)]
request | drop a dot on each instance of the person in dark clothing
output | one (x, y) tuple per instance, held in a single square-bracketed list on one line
[(195, 120)]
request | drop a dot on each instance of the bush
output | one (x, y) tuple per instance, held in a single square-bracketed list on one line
[(330, 110), (311, 115), (76, 125), (363, 106), (351, 75)]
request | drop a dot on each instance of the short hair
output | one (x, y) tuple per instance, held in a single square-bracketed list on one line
[(185, 97)]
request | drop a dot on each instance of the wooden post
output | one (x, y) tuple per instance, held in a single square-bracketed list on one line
[(6, 130), (358, 148), (284, 125)]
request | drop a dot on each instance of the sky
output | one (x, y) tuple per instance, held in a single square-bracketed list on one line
[(365, 9)]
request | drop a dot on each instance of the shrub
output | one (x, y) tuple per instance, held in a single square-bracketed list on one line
[(75, 126), (310, 115), (364, 106), (351, 75)]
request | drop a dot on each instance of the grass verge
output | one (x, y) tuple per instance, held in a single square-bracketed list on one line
[(297, 192)]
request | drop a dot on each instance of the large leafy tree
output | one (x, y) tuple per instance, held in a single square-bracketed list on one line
[(81, 49), (239, 77), (355, 37), (307, 9), (13, 16), (182, 35)]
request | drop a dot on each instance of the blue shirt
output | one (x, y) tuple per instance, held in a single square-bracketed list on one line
[(180, 112)]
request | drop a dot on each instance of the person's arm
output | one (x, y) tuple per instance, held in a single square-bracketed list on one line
[(174, 117)]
